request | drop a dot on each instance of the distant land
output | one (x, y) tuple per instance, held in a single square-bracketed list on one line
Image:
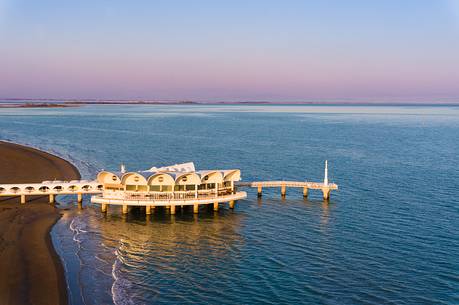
[(61, 103)]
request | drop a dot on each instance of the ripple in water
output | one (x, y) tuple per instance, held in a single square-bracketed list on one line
[(388, 236)]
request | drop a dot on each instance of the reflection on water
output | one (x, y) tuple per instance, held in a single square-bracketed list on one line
[(159, 252)]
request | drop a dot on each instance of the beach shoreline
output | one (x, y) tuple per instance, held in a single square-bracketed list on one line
[(32, 272)]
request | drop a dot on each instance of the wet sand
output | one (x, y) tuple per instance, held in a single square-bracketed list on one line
[(30, 270)]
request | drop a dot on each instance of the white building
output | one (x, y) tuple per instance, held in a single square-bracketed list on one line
[(168, 186)]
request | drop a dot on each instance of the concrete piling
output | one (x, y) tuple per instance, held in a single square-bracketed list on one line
[(326, 193), (283, 190), (51, 198), (259, 190), (148, 209), (305, 192), (79, 197), (216, 206), (231, 204), (104, 208), (23, 199), (125, 209), (172, 209), (195, 208)]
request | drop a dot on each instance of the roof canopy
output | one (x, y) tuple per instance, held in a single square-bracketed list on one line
[(180, 174)]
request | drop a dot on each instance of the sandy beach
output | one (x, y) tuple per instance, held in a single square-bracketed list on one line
[(30, 270)]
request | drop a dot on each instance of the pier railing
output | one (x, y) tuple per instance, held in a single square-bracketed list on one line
[(158, 196)]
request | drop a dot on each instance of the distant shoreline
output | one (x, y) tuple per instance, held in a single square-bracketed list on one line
[(58, 103)]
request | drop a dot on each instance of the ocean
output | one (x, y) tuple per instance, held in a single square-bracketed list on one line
[(390, 235)]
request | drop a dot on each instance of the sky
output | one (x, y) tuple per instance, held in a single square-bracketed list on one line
[(230, 50)]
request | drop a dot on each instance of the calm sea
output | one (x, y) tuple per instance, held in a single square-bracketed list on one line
[(389, 236)]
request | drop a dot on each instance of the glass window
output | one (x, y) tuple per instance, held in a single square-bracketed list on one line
[(179, 188), (143, 188), (155, 188), (190, 187), (130, 187), (167, 188)]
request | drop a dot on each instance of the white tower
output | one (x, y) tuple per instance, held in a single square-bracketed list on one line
[(123, 169), (326, 173)]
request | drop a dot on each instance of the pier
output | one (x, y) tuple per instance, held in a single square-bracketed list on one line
[(170, 187), (283, 185), (324, 186), (51, 189)]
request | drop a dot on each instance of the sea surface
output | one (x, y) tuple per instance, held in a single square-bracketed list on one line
[(390, 235)]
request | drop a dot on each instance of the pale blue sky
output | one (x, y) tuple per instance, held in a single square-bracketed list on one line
[(229, 50)]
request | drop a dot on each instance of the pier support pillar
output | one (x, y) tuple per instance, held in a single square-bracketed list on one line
[(283, 190), (231, 204), (104, 208), (172, 209), (196, 208), (305, 192), (259, 190), (80, 205), (125, 209), (216, 206), (79, 198), (326, 192), (23, 199), (51, 198), (148, 209)]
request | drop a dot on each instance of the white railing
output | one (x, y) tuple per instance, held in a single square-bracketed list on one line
[(158, 196)]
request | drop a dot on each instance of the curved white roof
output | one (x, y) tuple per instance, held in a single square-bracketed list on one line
[(177, 171)]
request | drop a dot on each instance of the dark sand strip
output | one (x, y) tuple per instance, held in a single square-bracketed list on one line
[(30, 270)]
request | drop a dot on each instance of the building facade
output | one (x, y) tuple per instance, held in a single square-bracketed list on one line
[(169, 186)]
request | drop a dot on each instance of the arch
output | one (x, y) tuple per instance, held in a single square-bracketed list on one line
[(30, 189), (73, 188), (58, 188), (232, 175), (108, 177), (133, 178), (86, 188), (43, 189), (100, 187), (161, 179), (15, 189), (188, 179), (211, 177)]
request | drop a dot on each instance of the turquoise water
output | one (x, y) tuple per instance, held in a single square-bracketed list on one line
[(389, 236)]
